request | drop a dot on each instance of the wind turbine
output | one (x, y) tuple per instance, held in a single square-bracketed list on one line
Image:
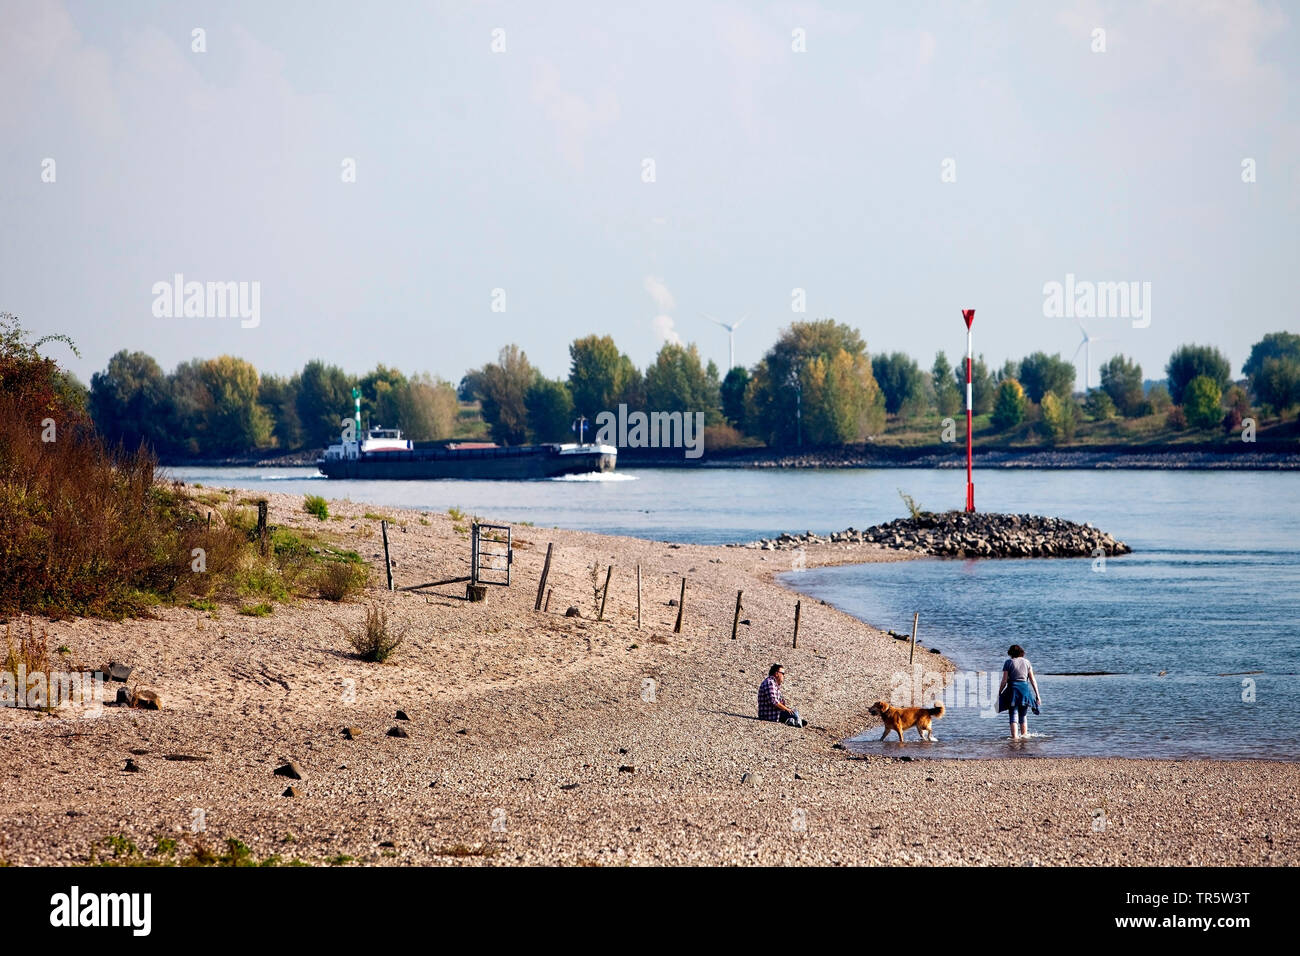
[(1085, 345), (731, 336)]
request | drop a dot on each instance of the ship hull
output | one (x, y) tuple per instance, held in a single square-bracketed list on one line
[(501, 464)]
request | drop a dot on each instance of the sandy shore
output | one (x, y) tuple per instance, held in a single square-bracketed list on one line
[(536, 738)]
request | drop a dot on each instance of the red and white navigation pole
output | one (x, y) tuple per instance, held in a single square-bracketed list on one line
[(969, 316)]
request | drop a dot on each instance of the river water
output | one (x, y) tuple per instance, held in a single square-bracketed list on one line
[(1189, 647)]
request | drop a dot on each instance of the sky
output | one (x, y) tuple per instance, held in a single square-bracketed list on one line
[(419, 184)]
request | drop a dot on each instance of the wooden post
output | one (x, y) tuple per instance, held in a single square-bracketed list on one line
[(798, 605), (261, 525), (735, 618), (638, 597), (541, 585), (388, 564), (209, 522), (681, 606), (915, 617), (604, 594), (547, 605)]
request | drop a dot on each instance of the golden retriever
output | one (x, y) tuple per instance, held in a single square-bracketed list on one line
[(899, 719)]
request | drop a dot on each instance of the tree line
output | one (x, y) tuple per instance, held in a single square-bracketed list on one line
[(817, 385)]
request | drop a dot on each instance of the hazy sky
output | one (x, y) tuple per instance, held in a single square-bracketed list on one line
[(525, 170)]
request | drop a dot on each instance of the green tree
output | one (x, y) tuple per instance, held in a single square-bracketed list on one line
[(550, 410), (236, 422), (677, 382), (901, 381), (1280, 345), (781, 387), (129, 399), (1201, 402), (732, 393), (1009, 408), (1277, 383), (382, 391), (599, 376), (279, 396), (324, 400), (947, 394), (1060, 417), (1100, 405), (503, 385), (1041, 373), (1121, 379), (427, 409), (1190, 361), (1157, 401), (189, 410)]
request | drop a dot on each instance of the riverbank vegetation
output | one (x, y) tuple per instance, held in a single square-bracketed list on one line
[(816, 386), (88, 527)]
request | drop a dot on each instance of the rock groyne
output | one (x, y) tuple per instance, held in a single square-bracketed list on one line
[(957, 534)]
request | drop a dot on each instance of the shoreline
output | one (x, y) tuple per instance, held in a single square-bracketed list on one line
[(1268, 456), (536, 738)]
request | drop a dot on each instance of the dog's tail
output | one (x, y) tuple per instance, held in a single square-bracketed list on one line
[(937, 710)]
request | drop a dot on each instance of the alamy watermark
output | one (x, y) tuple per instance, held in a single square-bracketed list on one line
[(1084, 299), (179, 299), (38, 690), (954, 689), (652, 430)]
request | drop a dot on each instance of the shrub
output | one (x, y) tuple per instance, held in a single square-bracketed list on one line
[(1176, 418), (257, 610), (374, 641), (1157, 401), (316, 505), (721, 436), (340, 580), (84, 528), (913, 508), (1009, 406), (1202, 405), (1059, 417), (1100, 406)]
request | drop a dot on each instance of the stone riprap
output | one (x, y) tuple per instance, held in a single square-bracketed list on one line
[(957, 534)]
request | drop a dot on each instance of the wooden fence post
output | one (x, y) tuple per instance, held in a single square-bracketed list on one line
[(638, 597), (915, 617), (735, 618), (681, 606), (388, 564), (604, 594), (541, 585), (798, 605), (547, 605), (261, 525)]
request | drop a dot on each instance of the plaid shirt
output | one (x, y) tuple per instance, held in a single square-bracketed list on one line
[(769, 693)]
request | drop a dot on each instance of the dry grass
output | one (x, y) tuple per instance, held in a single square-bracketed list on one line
[(341, 580), (32, 654), (374, 640)]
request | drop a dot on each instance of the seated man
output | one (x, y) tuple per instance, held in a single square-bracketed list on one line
[(771, 703)]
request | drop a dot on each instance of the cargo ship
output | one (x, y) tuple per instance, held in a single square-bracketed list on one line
[(384, 453)]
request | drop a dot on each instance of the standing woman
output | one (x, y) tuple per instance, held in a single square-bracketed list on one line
[(1020, 689)]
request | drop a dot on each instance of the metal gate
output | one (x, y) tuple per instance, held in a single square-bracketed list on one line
[(491, 554)]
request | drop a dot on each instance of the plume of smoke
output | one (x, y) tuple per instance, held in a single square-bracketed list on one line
[(663, 326)]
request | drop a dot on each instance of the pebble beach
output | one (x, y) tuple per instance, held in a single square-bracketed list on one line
[(532, 737)]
